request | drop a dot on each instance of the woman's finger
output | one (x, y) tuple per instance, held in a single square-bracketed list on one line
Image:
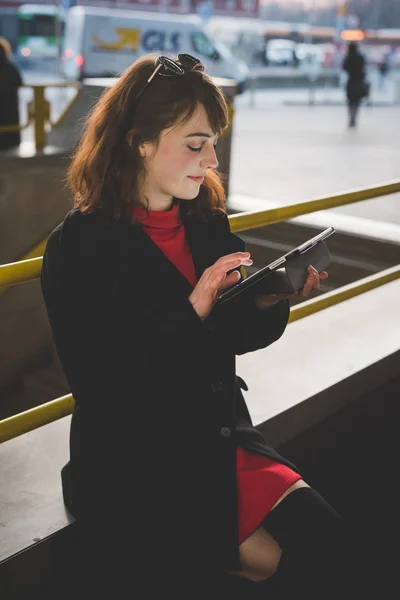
[(233, 256), (230, 280), (311, 283)]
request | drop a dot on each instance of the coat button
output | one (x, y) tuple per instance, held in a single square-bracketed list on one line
[(217, 387), (225, 432)]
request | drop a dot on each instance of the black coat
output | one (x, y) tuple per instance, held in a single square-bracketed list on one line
[(159, 411), (354, 65), (10, 81)]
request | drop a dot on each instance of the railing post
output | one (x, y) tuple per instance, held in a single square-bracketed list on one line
[(41, 113)]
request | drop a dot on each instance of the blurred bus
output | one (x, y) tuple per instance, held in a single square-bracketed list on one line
[(40, 31)]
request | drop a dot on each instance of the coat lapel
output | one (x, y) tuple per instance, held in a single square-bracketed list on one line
[(199, 238)]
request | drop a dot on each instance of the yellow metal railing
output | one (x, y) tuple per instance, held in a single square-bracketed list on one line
[(251, 220), (26, 270), (35, 417), (39, 111)]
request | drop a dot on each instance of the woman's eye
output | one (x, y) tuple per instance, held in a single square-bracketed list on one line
[(194, 149)]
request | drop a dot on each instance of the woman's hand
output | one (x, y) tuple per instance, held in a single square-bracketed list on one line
[(215, 281), (313, 281)]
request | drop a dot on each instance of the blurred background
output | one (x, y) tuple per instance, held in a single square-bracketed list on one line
[(275, 33)]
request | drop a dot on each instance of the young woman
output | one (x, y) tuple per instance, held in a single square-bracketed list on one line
[(171, 485)]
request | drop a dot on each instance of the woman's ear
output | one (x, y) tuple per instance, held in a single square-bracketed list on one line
[(132, 139)]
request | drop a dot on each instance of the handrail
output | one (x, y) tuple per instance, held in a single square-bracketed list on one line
[(61, 407), (26, 270), (251, 220), (20, 272), (36, 417), (343, 293)]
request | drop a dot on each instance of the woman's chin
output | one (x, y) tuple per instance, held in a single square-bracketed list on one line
[(189, 195)]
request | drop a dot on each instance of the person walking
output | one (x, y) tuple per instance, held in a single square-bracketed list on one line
[(10, 81), (383, 68), (357, 87), (172, 487)]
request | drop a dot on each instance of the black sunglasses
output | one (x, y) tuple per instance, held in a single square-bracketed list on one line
[(167, 67)]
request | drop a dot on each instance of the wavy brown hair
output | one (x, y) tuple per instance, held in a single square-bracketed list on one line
[(106, 165)]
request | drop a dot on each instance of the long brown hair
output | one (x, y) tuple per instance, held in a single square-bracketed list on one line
[(104, 171)]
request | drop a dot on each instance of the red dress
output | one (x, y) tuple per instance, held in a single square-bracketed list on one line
[(260, 481)]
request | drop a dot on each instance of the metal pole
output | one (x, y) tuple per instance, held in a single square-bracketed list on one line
[(252, 90), (41, 113)]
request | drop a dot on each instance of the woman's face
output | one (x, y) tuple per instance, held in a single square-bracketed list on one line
[(176, 166)]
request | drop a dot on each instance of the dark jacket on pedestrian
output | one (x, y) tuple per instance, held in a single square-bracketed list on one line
[(10, 81), (159, 411), (354, 65)]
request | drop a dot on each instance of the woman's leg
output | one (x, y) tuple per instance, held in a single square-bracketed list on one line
[(316, 547), (306, 546), (260, 553), (353, 110)]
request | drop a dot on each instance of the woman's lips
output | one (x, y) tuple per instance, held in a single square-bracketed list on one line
[(197, 179)]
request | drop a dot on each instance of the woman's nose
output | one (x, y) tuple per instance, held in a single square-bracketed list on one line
[(210, 161)]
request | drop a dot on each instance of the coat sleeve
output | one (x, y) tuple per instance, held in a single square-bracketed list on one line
[(241, 325)]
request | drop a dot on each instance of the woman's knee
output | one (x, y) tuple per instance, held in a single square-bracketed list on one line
[(259, 556), (302, 532), (314, 538)]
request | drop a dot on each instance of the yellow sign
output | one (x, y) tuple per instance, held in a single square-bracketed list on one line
[(127, 38)]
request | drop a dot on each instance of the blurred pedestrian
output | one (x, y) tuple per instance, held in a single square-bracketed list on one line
[(10, 81), (357, 87), (383, 68)]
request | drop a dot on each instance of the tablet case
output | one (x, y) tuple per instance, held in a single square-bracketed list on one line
[(296, 270), (292, 278)]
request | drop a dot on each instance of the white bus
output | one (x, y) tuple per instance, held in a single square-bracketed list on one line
[(40, 31)]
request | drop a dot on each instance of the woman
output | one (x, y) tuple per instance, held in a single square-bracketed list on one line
[(171, 484), (10, 81), (354, 65)]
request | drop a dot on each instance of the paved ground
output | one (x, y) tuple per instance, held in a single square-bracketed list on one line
[(283, 153)]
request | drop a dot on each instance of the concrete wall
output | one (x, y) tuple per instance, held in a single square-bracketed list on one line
[(33, 200)]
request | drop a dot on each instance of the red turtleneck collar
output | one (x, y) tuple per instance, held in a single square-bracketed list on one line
[(165, 228)]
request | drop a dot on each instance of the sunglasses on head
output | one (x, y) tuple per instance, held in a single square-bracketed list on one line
[(167, 67)]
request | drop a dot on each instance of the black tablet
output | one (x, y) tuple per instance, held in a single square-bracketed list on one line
[(291, 268)]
